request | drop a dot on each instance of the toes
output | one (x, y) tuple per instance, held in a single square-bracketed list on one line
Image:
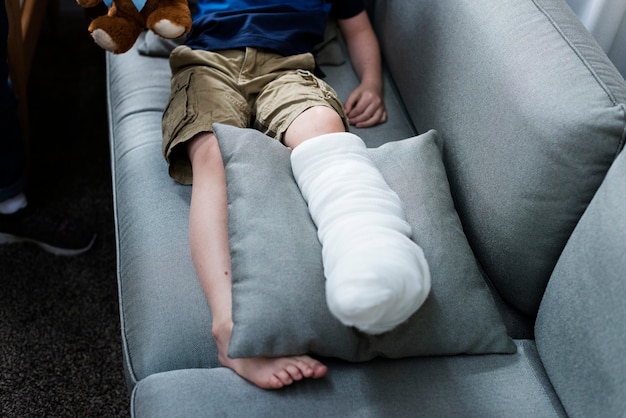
[(274, 383), (295, 372), (284, 377), (275, 373), (307, 371), (318, 370), (313, 368)]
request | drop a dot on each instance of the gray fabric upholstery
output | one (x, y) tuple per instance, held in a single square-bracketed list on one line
[(581, 323), (152, 230), (535, 97), (459, 386), (279, 301)]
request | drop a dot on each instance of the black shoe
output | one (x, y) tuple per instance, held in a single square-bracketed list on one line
[(59, 235)]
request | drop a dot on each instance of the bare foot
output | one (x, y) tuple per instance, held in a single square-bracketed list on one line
[(269, 372), (275, 373)]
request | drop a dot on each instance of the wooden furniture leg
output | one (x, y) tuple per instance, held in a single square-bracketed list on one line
[(26, 18)]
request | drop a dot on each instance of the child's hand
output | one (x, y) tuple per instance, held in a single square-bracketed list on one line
[(365, 107)]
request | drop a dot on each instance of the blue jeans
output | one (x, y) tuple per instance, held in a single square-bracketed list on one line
[(11, 143)]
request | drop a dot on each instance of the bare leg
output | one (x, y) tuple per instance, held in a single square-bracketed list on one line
[(211, 257), (313, 122)]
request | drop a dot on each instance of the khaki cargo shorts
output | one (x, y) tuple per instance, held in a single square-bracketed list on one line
[(239, 87)]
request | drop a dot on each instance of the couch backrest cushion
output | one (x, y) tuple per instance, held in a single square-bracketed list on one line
[(582, 319), (531, 112)]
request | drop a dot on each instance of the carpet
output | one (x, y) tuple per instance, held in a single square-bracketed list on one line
[(60, 344)]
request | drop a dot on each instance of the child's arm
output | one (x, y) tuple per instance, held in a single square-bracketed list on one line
[(364, 106)]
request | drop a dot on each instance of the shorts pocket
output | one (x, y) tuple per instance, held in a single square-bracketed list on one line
[(177, 113)]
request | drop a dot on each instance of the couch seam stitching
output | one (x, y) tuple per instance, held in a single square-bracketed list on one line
[(576, 51)]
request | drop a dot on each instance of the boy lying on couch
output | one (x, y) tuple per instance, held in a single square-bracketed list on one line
[(248, 63)]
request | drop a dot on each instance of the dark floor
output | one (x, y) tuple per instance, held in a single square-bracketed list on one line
[(60, 348)]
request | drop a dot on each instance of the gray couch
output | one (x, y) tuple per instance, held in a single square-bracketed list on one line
[(506, 126)]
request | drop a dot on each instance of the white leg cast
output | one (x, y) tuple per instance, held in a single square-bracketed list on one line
[(376, 276)]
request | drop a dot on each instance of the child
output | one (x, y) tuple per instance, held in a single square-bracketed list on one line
[(249, 63)]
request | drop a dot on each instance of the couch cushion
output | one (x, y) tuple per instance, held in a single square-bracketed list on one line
[(279, 304), (457, 386), (532, 113), (156, 276), (582, 321)]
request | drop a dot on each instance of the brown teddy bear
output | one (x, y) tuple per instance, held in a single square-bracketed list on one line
[(118, 30)]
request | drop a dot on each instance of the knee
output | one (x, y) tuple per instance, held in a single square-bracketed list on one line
[(315, 121), (325, 118), (325, 114)]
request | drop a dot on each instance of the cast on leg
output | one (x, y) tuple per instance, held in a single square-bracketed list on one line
[(376, 276)]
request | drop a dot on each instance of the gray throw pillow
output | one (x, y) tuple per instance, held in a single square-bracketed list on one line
[(279, 305)]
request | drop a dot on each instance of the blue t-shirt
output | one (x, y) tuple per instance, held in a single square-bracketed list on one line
[(287, 27)]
